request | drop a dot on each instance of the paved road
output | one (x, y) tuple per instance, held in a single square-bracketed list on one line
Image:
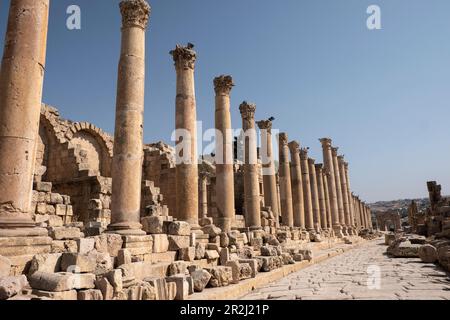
[(365, 273)]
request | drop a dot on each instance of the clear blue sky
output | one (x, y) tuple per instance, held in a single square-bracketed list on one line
[(383, 96)]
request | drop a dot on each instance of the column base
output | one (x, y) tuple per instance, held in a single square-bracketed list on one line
[(126, 229), (23, 232), (338, 231), (224, 224)]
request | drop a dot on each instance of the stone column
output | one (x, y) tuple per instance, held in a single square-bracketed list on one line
[(21, 81), (363, 216), (307, 196), (314, 194), (186, 126), (327, 199), (285, 181), (356, 212), (345, 200), (224, 152), (329, 167), (128, 134), (297, 187), (251, 181), (350, 199), (268, 165), (340, 201), (321, 195), (204, 195)]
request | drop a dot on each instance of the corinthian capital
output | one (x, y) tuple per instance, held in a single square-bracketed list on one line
[(223, 84), (135, 13), (184, 57), (326, 142), (334, 151), (283, 139), (247, 110), (294, 147), (304, 153)]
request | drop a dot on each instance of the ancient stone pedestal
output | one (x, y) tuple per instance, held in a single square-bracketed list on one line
[(284, 173), (224, 154), (307, 196), (329, 167), (268, 165), (340, 201), (297, 186), (251, 181), (321, 195), (186, 136), (128, 136), (21, 80)]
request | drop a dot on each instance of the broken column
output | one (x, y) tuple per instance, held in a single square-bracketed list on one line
[(21, 81), (314, 194), (224, 154), (321, 196), (284, 172), (348, 222), (268, 165), (251, 180), (329, 167), (128, 135), (307, 197), (340, 201), (297, 187), (186, 136)]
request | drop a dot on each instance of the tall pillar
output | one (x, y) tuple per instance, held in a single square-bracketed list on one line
[(363, 216), (339, 196), (314, 194), (21, 81), (350, 198), (297, 187), (203, 195), (329, 166), (345, 200), (285, 181), (307, 196), (224, 149), (321, 195), (356, 212), (126, 168), (186, 126), (327, 199), (251, 180), (268, 165)]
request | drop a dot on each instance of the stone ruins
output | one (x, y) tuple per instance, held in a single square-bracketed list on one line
[(88, 216)]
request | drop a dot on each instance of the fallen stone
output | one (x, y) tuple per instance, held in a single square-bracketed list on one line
[(85, 245), (115, 279), (252, 263), (307, 254), (49, 262), (211, 230), (65, 233), (105, 287), (245, 271), (171, 290), (235, 271), (212, 255), (103, 262), (11, 286), (91, 294), (224, 256), (74, 262), (5, 267), (123, 257), (183, 285), (109, 243), (186, 254), (160, 286), (200, 279), (179, 228), (200, 250), (428, 253), (153, 225), (268, 251), (287, 258), (178, 242), (224, 240), (61, 246), (220, 276), (60, 295), (160, 243), (62, 281), (177, 267)]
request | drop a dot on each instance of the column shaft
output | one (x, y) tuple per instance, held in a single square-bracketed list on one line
[(344, 188), (224, 154), (21, 82), (285, 181), (350, 198), (297, 185), (314, 194), (327, 200), (339, 197), (307, 196), (321, 194)]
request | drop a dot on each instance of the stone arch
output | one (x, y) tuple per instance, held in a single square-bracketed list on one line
[(46, 144), (92, 148)]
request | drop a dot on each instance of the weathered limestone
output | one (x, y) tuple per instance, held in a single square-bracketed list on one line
[(251, 182), (297, 186), (269, 174), (128, 136), (329, 166), (21, 81), (314, 194), (186, 135), (284, 172), (340, 200), (321, 196), (224, 154), (307, 196), (327, 199), (204, 195), (344, 187), (350, 199)]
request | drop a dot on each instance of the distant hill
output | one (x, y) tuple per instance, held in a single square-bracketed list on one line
[(400, 205)]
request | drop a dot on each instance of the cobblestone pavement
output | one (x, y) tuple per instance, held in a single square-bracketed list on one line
[(354, 275)]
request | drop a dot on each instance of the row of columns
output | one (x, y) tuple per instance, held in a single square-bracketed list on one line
[(313, 197)]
